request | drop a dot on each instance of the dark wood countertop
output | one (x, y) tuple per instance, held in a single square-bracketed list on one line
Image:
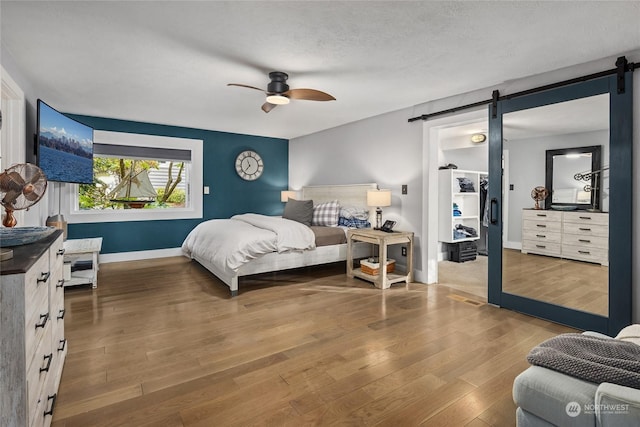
[(26, 255)]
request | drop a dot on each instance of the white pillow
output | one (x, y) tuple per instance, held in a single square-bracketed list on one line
[(353, 212)]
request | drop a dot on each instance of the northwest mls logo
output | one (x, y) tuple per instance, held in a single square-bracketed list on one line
[(573, 409)]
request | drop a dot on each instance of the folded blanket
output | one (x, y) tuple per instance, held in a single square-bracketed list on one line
[(590, 358)]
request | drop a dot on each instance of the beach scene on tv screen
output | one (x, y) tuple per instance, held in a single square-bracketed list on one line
[(65, 147)]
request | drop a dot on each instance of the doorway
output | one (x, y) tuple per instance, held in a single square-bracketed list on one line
[(448, 141)]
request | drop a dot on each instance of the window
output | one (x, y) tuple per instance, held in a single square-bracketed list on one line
[(140, 177)]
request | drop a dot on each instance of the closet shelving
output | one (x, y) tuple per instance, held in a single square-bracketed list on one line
[(450, 194)]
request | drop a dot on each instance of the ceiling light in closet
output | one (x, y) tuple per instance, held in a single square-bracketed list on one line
[(478, 138)]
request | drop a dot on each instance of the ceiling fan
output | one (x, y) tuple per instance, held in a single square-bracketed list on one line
[(278, 92)]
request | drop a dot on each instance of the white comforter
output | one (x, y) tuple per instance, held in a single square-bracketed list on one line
[(231, 243)]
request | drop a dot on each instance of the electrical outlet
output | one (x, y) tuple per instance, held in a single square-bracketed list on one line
[(404, 251), (404, 189)]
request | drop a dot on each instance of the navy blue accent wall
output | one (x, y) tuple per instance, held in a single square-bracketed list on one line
[(229, 194)]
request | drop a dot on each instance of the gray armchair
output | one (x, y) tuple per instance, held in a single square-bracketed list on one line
[(545, 397)]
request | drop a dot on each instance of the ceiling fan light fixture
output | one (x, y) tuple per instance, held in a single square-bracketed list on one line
[(478, 138), (277, 99)]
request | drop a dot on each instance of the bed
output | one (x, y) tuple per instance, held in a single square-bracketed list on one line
[(282, 257)]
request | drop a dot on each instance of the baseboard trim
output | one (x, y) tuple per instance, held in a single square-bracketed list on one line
[(138, 255), (418, 275), (512, 245)]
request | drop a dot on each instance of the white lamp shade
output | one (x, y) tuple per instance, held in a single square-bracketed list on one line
[(379, 198), (286, 195)]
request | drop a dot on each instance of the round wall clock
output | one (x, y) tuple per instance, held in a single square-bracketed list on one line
[(249, 165)]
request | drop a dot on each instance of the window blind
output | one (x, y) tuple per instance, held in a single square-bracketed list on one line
[(151, 153)]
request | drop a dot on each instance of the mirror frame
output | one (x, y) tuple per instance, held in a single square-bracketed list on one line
[(596, 179), (620, 204)]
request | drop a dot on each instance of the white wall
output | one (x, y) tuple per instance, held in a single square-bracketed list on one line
[(37, 214), (474, 158), (389, 150), (383, 149)]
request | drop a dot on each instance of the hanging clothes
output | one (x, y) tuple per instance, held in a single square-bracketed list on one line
[(484, 215), (484, 207)]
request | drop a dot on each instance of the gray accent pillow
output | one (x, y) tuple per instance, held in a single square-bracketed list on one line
[(299, 210)]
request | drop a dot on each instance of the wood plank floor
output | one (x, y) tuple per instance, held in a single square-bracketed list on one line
[(578, 285), (161, 343)]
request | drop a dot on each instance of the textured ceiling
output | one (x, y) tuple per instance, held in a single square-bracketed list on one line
[(169, 62)]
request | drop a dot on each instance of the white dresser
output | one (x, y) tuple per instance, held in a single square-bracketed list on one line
[(32, 332), (578, 235)]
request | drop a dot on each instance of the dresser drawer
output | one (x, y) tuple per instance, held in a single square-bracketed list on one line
[(541, 236), (597, 255), (542, 248), (42, 414), (586, 218), (553, 226), (587, 230), (38, 370), (585, 241), (541, 215), (57, 324), (56, 251), (36, 287), (35, 328)]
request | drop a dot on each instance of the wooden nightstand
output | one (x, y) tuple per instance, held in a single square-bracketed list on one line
[(382, 280)]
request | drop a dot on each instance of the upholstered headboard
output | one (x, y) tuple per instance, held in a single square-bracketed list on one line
[(347, 195)]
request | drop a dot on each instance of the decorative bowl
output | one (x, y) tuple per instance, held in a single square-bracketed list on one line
[(563, 208), (17, 236)]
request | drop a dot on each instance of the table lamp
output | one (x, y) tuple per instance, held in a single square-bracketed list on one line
[(378, 198), (286, 195)]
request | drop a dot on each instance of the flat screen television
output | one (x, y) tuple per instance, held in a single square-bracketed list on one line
[(64, 147)]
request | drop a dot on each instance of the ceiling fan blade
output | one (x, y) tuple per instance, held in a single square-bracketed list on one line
[(247, 86), (267, 106), (309, 95)]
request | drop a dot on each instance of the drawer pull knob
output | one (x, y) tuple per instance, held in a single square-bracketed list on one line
[(541, 236), (541, 225), (541, 246), (44, 277), (64, 344), (43, 320), (53, 403), (60, 252), (584, 240), (60, 283), (48, 358), (61, 314), (584, 229), (585, 252), (585, 217), (543, 215)]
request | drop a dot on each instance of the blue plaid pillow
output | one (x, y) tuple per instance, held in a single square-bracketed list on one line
[(326, 214), (354, 222)]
